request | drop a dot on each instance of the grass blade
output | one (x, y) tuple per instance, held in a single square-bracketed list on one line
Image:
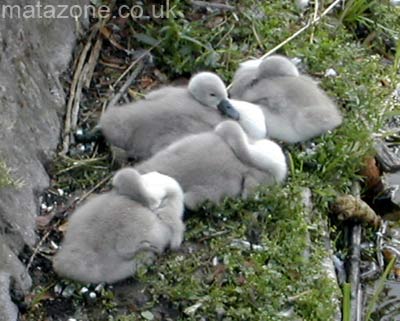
[(379, 288)]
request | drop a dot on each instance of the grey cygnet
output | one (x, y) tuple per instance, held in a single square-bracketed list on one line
[(108, 233), (168, 114), (295, 108), (222, 163)]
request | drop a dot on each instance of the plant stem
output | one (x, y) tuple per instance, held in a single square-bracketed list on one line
[(379, 288), (346, 302)]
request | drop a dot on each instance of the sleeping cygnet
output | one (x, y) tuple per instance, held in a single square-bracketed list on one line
[(295, 108), (167, 114), (108, 233), (217, 164), (170, 113)]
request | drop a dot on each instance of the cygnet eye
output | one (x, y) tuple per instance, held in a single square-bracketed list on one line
[(212, 94)]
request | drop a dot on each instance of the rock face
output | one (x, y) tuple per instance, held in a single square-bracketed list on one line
[(33, 53)]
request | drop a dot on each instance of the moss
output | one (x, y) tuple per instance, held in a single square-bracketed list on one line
[(250, 285), (5, 177)]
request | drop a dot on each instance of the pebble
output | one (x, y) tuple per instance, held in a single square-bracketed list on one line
[(57, 289), (99, 287), (302, 4), (331, 73), (53, 245), (68, 291), (84, 290)]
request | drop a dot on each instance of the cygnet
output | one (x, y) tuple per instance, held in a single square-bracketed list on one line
[(170, 113), (107, 235), (295, 108), (217, 164)]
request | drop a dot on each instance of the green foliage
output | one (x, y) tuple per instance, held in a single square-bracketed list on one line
[(356, 11), (246, 284), (188, 42), (396, 65), (5, 177), (80, 173), (252, 285), (381, 283)]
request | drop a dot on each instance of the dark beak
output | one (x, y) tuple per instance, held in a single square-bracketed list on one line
[(226, 108)]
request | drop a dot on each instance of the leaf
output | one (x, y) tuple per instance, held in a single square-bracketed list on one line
[(147, 315), (146, 39)]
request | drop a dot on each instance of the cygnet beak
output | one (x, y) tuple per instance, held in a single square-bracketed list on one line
[(226, 108)]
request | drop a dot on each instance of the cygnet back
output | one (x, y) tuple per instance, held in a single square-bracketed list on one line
[(170, 113), (108, 231)]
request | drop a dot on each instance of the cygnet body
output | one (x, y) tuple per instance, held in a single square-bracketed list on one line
[(170, 113), (217, 164), (295, 108), (106, 234)]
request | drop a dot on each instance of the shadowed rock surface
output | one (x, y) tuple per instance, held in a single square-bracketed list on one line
[(33, 54)]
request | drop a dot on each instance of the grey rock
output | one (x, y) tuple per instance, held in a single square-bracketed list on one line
[(8, 310), (33, 54)]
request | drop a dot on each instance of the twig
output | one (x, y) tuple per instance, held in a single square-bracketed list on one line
[(37, 248), (127, 83), (214, 5), (294, 298), (379, 244), (216, 234), (94, 57), (316, 7), (354, 275), (257, 36), (133, 64), (297, 33), (77, 100), (354, 270), (75, 80), (98, 185)]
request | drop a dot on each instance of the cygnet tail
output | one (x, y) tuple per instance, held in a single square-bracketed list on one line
[(73, 265)]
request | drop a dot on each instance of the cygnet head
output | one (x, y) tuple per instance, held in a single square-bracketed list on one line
[(277, 66), (231, 132), (128, 182), (210, 90)]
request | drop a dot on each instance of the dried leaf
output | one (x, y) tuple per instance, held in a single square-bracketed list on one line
[(349, 207), (44, 220), (371, 173), (107, 33), (63, 227)]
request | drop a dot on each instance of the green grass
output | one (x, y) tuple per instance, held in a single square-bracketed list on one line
[(5, 177), (250, 285)]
